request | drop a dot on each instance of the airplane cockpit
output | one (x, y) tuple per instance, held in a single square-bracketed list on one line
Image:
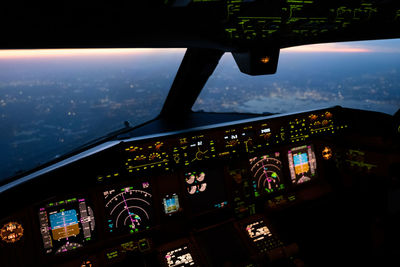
[(311, 188)]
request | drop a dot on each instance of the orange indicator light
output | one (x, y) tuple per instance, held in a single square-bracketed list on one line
[(265, 60)]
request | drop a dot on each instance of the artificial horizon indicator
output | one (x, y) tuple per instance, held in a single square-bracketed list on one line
[(302, 164), (66, 225), (129, 209), (171, 204), (11, 232)]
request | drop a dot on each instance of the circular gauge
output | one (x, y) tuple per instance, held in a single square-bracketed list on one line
[(266, 171), (192, 189), (195, 182), (129, 209), (11, 232), (190, 179), (202, 187), (201, 177), (154, 156), (68, 247)]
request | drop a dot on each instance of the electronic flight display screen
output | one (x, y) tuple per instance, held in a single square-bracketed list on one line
[(266, 171), (258, 231), (302, 164), (179, 257), (66, 225), (129, 209), (261, 236), (171, 204), (205, 189)]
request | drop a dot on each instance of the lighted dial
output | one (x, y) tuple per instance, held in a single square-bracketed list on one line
[(266, 171), (190, 179), (11, 232), (195, 182), (129, 209), (200, 154), (154, 156)]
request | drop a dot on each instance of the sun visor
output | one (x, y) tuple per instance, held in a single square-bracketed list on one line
[(258, 61)]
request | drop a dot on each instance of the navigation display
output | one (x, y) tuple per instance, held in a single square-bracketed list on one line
[(66, 225), (129, 209), (267, 173), (302, 164), (171, 204), (179, 257)]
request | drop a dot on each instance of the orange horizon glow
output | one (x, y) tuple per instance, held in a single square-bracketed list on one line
[(327, 48), (98, 52), (53, 53)]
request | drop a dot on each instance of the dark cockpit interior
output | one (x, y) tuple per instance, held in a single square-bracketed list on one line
[(313, 188)]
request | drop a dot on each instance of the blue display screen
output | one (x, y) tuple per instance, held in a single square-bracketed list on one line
[(300, 159), (171, 204), (63, 219)]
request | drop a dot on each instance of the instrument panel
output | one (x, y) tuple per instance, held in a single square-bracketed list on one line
[(170, 185)]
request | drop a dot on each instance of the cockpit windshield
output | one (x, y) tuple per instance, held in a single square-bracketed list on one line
[(362, 75), (53, 101)]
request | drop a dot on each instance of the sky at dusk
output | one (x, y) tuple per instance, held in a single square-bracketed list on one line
[(379, 46)]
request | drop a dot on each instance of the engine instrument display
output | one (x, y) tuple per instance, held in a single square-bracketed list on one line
[(179, 257), (66, 225), (205, 189), (267, 173), (11, 232), (171, 204), (129, 209), (302, 164), (195, 182)]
